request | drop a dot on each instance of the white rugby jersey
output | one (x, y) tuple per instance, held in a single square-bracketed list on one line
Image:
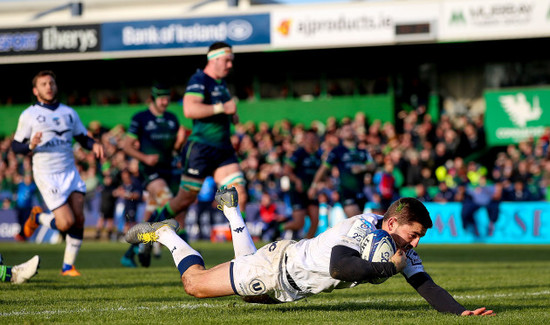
[(309, 260), (54, 153)]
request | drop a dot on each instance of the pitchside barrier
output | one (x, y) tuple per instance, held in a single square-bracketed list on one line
[(518, 223)]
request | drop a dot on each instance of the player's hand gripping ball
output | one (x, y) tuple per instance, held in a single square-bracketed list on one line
[(377, 246)]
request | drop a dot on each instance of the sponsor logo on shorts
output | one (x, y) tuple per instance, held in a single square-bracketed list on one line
[(257, 287), (273, 246), (193, 171)]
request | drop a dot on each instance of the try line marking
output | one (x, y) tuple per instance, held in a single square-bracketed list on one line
[(206, 305)]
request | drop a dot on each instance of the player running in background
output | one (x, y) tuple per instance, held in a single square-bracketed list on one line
[(153, 137), (286, 270), (46, 130), (301, 168), (20, 273), (352, 164), (208, 151)]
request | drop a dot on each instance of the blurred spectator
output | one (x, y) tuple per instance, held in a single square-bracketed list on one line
[(445, 194), (271, 218), (422, 193), (385, 185), (26, 191), (130, 191), (483, 195), (352, 163), (300, 169), (108, 204), (204, 206)]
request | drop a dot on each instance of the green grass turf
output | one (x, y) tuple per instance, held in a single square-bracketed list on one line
[(512, 280)]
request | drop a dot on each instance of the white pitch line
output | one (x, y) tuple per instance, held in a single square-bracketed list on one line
[(206, 305)]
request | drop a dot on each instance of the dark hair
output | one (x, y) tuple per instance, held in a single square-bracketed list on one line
[(160, 89), (407, 210), (42, 74), (218, 45)]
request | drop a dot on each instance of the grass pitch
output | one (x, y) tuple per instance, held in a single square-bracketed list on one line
[(512, 280)]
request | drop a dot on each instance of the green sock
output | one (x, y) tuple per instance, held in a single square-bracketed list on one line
[(169, 210), (165, 212), (5, 273)]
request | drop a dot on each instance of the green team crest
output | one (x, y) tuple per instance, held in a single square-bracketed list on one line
[(516, 115)]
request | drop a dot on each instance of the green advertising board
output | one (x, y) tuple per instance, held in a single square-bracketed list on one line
[(514, 115), (375, 107)]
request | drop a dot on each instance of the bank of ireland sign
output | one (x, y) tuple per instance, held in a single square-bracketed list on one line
[(516, 115)]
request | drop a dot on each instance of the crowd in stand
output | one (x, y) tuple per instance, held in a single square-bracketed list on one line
[(433, 161)]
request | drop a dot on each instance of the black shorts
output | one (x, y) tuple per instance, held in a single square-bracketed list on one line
[(300, 200), (130, 213), (348, 197), (200, 160), (150, 174)]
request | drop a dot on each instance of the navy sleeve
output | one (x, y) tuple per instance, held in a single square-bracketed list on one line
[(347, 265), (439, 298), (85, 141), (18, 147)]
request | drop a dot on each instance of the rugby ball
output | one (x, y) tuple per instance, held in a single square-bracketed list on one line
[(377, 246)]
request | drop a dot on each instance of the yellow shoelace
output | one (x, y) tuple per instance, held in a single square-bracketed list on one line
[(148, 237)]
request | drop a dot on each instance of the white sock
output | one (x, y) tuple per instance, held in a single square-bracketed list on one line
[(242, 241), (177, 246), (72, 246), (45, 219)]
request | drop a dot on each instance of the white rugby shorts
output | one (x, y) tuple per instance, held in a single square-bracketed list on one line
[(264, 273), (56, 187)]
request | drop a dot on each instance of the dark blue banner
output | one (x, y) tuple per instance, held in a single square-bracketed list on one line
[(185, 33)]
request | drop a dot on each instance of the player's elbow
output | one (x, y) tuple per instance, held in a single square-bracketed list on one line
[(187, 113)]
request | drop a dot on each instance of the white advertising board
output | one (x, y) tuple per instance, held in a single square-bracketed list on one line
[(493, 19), (351, 25)]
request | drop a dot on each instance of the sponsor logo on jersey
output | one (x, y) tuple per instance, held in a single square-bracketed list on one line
[(193, 171), (56, 142), (257, 286), (60, 133), (413, 257), (150, 126), (238, 229), (41, 118)]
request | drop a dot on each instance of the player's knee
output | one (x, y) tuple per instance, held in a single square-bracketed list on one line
[(192, 288), (64, 225)]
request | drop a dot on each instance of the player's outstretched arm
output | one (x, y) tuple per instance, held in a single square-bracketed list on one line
[(439, 298)]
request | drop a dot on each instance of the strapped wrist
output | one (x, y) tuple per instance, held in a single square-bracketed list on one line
[(218, 108)]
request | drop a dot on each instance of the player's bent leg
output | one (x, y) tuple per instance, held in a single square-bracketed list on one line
[(313, 212), (32, 222), (228, 201), (231, 176), (214, 282), (75, 232), (352, 210), (298, 220), (64, 218)]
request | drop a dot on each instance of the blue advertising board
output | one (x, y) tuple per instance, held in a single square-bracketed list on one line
[(185, 33), (518, 223)]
